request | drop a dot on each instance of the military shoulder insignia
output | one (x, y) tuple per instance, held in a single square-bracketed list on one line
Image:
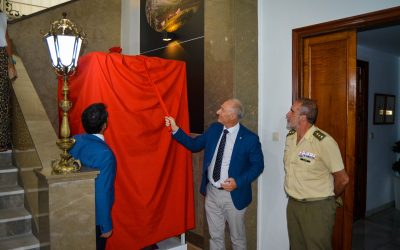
[(291, 132), (319, 135)]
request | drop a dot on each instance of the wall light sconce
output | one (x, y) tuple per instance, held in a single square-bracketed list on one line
[(64, 42), (167, 36)]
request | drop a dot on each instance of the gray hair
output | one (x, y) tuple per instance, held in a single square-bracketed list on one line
[(238, 108), (309, 109)]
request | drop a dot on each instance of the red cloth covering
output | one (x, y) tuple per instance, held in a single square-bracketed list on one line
[(154, 182), (115, 49)]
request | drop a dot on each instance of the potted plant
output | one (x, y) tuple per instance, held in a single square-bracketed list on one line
[(396, 178)]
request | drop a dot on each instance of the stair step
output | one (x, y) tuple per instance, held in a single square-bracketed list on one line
[(20, 242), (10, 190), (8, 176), (8, 169), (11, 197), (5, 159), (14, 214), (8, 172), (14, 221)]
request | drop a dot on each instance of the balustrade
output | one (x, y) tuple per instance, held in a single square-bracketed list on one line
[(18, 8)]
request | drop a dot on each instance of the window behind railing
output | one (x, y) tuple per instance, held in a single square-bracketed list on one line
[(19, 8)]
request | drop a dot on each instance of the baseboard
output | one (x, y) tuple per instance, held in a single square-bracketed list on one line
[(379, 209)]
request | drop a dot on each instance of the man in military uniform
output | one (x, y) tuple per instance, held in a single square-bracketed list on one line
[(315, 177)]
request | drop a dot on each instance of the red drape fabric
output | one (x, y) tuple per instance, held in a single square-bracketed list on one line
[(154, 182)]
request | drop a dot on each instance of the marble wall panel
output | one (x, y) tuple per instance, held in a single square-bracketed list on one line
[(44, 224), (71, 206), (219, 55), (67, 208), (231, 70), (197, 161), (26, 158), (246, 60), (21, 139), (246, 87), (101, 21)]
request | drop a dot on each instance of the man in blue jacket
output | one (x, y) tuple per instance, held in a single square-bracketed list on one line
[(233, 159), (91, 149)]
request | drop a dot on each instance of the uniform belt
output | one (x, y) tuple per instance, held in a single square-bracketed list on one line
[(311, 199)]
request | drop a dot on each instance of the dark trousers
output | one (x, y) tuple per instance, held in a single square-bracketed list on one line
[(100, 242), (310, 224)]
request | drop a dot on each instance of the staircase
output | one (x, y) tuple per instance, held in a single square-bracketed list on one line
[(15, 220)]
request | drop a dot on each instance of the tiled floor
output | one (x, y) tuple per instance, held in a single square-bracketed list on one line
[(380, 231)]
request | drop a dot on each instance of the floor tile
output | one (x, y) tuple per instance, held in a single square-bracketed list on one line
[(380, 231)]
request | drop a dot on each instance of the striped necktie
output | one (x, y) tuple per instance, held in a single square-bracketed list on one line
[(220, 153)]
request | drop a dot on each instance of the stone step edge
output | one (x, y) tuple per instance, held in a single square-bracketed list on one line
[(8, 170), (14, 214), (14, 242), (15, 189), (11, 190)]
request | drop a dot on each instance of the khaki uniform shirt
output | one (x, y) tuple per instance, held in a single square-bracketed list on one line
[(309, 164)]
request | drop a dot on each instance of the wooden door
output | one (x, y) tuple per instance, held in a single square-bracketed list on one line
[(328, 69)]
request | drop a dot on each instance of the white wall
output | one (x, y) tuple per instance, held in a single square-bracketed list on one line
[(130, 27), (276, 21), (383, 79)]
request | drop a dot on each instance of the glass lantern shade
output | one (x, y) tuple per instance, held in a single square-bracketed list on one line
[(64, 51)]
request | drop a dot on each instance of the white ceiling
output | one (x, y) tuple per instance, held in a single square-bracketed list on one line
[(384, 39)]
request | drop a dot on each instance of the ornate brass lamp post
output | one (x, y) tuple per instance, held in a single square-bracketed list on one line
[(64, 42)]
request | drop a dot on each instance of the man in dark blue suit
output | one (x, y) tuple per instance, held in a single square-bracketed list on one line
[(92, 151), (233, 159)]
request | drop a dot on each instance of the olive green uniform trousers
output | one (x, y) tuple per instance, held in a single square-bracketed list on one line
[(310, 223)]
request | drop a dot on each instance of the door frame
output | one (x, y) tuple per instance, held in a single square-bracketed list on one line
[(361, 22), (366, 21), (360, 172)]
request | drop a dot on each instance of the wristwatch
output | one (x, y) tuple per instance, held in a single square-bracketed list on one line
[(339, 202)]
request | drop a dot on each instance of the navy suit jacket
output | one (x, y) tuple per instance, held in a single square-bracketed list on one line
[(95, 153), (246, 164)]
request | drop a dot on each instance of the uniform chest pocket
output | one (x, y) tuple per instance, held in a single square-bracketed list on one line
[(307, 161)]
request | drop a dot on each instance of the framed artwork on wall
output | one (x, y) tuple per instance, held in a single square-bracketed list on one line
[(183, 22), (384, 109)]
